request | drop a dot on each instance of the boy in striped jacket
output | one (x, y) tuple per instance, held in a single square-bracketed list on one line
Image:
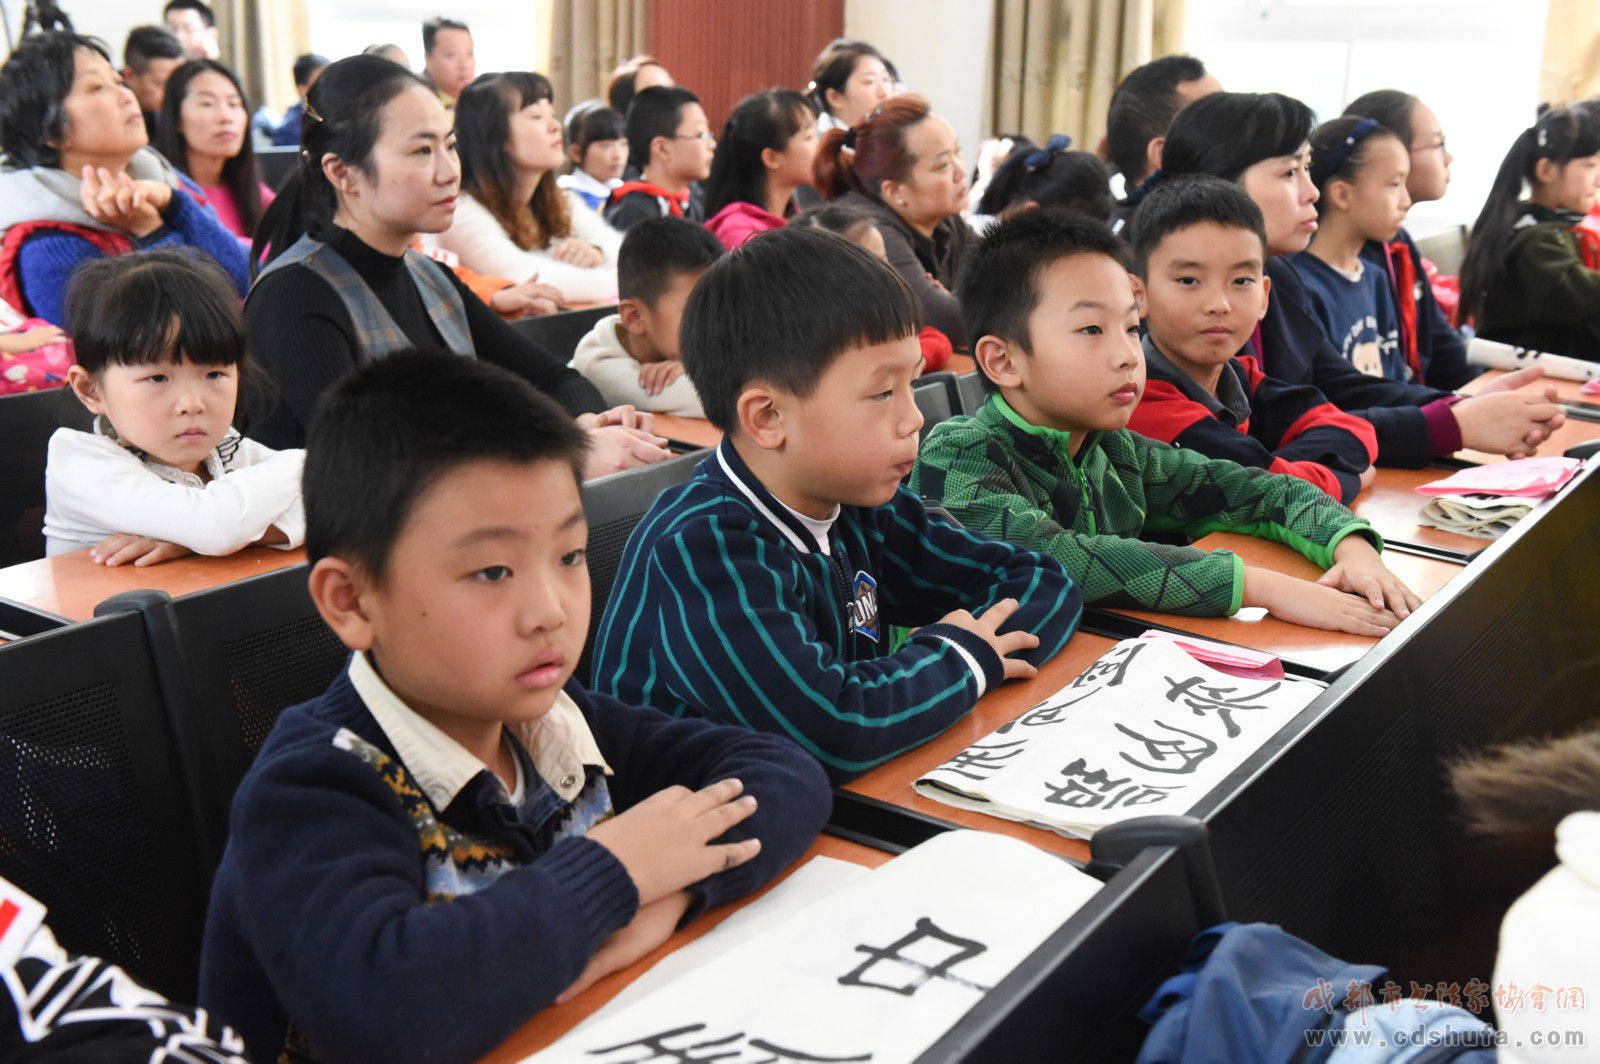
[(763, 592)]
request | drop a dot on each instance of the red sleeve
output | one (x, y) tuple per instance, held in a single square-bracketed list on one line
[(1164, 413)]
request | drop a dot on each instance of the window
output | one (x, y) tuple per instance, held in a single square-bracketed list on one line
[(506, 34)]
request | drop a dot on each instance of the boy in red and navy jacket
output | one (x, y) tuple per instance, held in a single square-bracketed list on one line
[(1199, 249)]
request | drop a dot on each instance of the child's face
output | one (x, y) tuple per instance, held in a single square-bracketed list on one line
[(687, 156), (1283, 190), (1085, 372), (604, 160), (659, 325), (853, 439), (484, 606), (1430, 162), (1377, 200), (1575, 183), (176, 412), (1204, 292), (793, 163), (535, 141)]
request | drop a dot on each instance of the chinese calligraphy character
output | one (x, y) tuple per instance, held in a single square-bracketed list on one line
[(1319, 996), (1113, 665), (1096, 789), (947, 952), (1171, 755), (1045, 713), (981, 762), (1203, 698), (726, 1048)]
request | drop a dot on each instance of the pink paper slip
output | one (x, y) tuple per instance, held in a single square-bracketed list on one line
[(1590, 387), (1532, 478), (1235, 661)]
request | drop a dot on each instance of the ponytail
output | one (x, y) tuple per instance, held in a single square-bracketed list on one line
[(342, 118), (1559, 134), (871, 152)]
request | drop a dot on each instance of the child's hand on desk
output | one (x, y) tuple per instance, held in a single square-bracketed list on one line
[(665, 844), (1368, 475), (987, 628), (140, 550), (1297, 601), (1358, 570), (655, 376), (652, 925), (1507, 422)]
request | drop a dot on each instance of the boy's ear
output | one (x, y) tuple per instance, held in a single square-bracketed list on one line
[(660, 149), (1152, 154), (631, 311), (998, 360), (1139, 294), (759, 412), (1266, 296), (84, 386), (337, 587)]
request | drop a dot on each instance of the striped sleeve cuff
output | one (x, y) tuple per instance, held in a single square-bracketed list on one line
[(981, 658)]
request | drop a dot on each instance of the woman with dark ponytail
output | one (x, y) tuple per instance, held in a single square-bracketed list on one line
[(1532, 274), (764, 154), (902, 167), (378, 166), (1260, 141)]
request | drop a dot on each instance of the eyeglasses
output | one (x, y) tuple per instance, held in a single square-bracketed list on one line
[(1429, 147), (704, 134)]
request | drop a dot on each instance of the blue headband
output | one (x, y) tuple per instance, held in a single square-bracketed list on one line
[(1327, 165), (1035, 160)]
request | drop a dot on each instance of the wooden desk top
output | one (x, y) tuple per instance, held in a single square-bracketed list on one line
[(696, 431), (1311, 646), (1391, 504), (891, 782), (551, 1023), (71, 585)]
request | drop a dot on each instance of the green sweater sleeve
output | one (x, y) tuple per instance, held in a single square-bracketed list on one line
[(1189, 493), (1554, 274), (995, 492)]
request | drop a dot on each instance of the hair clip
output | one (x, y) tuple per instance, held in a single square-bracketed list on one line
[(1324, 168), (1543, 138), (1058, 143), (311, 112)]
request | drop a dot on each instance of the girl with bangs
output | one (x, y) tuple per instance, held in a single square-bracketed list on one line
[(514, 220), (161, 357), (764, 154)]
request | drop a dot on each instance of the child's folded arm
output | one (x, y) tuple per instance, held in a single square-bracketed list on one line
[(91, 480), (736, 642), (329, 873), (649, 750), (932, 567)]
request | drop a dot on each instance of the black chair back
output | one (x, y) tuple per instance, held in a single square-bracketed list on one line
[(937, 398), (613, 506), (94, 818), (969, 386), (26, 424), (276, 164), (561, 333)]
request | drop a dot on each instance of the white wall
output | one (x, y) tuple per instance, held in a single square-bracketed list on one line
[(941, 49), (106, 19)]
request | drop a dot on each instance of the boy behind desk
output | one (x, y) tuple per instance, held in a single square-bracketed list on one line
[(1199, 248), (455, 833), (1049, 463), (762, 592)]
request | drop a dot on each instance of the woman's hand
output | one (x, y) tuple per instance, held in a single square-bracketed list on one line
[(117, 201), (575, 252)]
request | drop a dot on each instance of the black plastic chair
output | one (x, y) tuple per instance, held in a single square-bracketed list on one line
[(276, 164), (970, 387), (561, 333), (26, 424), (614, 506), (94, 818), (937, 398)]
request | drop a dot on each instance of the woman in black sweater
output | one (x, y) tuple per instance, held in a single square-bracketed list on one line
[(378, 167)]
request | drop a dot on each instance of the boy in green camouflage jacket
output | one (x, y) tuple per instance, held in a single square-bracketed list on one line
[(1046, 463)]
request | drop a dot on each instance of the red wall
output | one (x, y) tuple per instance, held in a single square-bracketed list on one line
[(726, 49)]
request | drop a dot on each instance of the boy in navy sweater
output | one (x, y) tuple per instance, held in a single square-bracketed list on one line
[(454, 834), (763, 591)]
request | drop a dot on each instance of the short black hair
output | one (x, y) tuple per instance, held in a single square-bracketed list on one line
[(1226, 133), (781, 309), (999, 282), (140, 308), (392, 428), (1194, 199), (206, 14), (307, 65), (431, 28), (1143, 106), (145, 43), (34, 84), (657, 249), (592, 121), (654, 112)]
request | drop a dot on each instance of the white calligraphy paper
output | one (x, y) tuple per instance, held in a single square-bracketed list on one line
[(1146, 729), (876, 970)]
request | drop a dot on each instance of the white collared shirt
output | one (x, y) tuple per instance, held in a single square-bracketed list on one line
[(559, 743)]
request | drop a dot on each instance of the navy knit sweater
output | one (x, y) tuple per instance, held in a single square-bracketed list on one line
[(320, 931), (724, 607)]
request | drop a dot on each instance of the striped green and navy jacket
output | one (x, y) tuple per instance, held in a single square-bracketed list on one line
[(999, 475), (725, 606)]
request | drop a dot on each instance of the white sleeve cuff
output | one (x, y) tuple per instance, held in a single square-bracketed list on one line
[(972, 662)]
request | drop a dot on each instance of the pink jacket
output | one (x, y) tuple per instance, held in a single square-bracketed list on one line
[(738, 222)]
